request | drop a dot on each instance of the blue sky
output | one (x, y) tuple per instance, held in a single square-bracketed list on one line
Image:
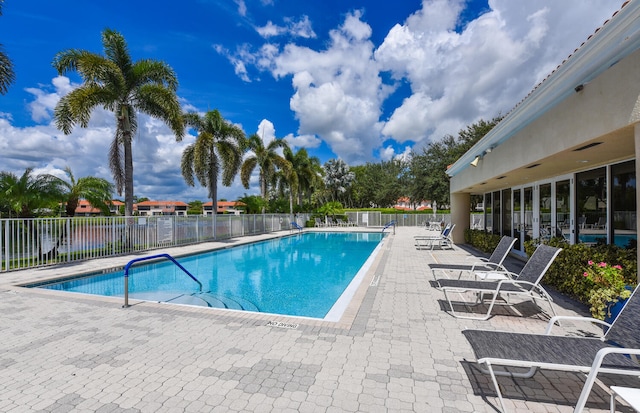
[(362, 80)]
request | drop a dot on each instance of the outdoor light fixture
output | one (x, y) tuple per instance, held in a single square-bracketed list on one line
[(474, 163), (579, 88)]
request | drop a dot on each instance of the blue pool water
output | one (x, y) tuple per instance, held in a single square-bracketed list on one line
[(621, 240), (300, 275)]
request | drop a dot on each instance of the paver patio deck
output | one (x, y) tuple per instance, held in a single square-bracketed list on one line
[(395, 350)]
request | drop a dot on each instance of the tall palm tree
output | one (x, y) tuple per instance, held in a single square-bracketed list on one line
[(219, 146), (97, 191), (118, 84), (308, 170), (266, 159), (26, 194), (288, 178), (7, 75)]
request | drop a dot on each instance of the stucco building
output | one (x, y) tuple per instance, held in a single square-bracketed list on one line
[(563, 161)]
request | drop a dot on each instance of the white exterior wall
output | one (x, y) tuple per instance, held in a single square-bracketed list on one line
[(609, 103)]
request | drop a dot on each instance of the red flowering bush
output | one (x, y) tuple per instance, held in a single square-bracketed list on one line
[(608, 287)]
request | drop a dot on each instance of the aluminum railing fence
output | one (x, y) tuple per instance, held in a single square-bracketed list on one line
[(378, 219), (27, 243)]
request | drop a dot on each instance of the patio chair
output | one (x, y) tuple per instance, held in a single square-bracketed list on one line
[(319, 222), (483, 268), (614, 353), (430, 241), (525, 284)]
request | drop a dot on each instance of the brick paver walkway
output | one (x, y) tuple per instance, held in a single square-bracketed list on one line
[(397, 350)]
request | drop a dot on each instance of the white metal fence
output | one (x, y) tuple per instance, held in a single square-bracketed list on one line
[(28, 243)]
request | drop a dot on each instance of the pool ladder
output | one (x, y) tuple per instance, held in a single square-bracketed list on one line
[(151, 257)]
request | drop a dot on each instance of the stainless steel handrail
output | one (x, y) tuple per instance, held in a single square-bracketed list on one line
[(130, 263)]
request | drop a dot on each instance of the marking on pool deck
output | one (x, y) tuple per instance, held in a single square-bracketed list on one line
[(374, 282), (282, 325)]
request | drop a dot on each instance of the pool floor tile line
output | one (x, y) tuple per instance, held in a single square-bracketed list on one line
[(401, 351)]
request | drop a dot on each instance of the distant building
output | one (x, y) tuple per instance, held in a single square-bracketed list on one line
[(150, 208), (114, 207), (405, 204), (85, 209), (224, 207)]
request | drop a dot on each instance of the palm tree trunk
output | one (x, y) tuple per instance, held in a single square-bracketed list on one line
[(128, 176), (263, 189), (214, 208), (128, 162), (291, 205)]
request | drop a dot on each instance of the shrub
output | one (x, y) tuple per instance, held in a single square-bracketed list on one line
[(608, 286), (566, 274), (484, 241)]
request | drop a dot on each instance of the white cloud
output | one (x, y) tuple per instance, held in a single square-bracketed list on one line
[(457, 73), (301, 28), (156, 154), (458, 78), (338, 91), (266, 131), (242, 7), (302, 141), (388, 153)]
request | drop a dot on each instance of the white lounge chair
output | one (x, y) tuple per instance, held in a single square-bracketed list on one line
[(483, 268), (615, 353), (431, 241), (525, 284)]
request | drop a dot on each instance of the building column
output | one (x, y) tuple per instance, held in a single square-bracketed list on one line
[(460, 215), (637, 146)]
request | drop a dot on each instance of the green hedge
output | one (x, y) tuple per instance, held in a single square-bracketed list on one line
[(484, 241), (566, 273)]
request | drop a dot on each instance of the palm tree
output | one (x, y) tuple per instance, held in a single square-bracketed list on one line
[(266, 159), (27, 194), (124, 87), (309, 173), (288, 179), (218, 147), (7, 75), (97, 191)]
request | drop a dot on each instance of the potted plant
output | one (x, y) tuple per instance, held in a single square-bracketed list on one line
[(609, 289)]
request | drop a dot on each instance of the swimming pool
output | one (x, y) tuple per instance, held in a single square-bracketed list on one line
[(621, 240), (311, 274)]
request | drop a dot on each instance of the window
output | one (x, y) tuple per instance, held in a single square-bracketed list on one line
[(591, 206), (623, 204), (563, 209)]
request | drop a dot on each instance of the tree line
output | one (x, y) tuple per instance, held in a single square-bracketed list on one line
[(289, 181)]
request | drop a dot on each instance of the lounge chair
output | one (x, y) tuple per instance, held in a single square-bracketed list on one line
[(526, 284), (615, 353), (431, 241), (483, 268), (319, 222)]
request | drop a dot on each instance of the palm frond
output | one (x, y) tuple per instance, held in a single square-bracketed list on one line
[(116, 50), (7, 74), (186, 164), (161, 103), (147, 71)]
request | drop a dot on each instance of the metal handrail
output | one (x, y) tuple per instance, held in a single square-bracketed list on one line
[(390, 224), (130, 263)]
